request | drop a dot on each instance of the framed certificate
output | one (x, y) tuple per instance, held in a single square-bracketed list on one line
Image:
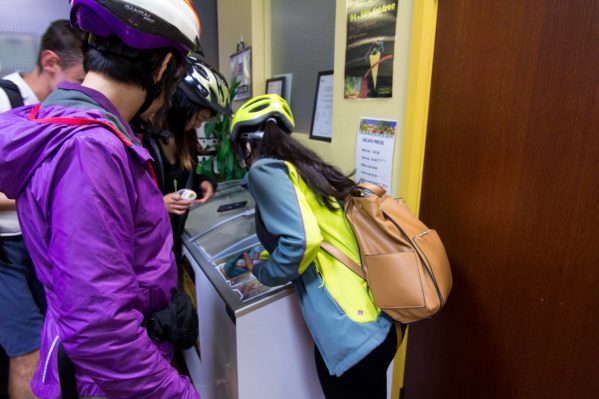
[(276, 86), (322, 117)]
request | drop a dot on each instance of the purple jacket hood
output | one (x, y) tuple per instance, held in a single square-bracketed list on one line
[(25, 145)]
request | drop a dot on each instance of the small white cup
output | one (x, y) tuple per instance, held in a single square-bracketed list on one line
[(188, 195)]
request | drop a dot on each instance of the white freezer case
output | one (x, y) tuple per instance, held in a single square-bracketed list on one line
[(253, 340)]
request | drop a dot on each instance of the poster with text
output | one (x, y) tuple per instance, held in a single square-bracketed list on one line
[(374, 151), (322, 117), (370, 48)]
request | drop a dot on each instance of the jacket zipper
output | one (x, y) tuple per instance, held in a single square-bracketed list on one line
[(48, 356)]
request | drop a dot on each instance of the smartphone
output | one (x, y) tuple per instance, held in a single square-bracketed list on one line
[(231, 206)]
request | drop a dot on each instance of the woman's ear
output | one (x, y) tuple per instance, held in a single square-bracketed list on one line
[(158, 74)]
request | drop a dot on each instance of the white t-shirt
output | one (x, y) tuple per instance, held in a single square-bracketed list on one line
[(9, 222)]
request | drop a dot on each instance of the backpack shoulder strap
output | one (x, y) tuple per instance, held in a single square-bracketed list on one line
[(377, 190), (343, 258), (12, 92)]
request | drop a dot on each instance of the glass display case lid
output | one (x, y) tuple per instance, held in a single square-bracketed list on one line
[(228, 235), (228, 202)]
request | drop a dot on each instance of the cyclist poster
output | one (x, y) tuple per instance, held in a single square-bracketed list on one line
[(370, 48)]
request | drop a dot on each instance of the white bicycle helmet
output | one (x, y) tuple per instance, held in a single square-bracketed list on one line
[(141, 24)]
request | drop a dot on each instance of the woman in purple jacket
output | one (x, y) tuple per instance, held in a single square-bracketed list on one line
[(92, 217)]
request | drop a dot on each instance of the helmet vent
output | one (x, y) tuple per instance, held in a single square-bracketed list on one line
[(260, 108)]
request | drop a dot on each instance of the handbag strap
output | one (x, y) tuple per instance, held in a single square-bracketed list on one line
[(377, 190), (343, 258)]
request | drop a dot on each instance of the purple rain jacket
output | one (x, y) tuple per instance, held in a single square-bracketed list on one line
[(100, 238)]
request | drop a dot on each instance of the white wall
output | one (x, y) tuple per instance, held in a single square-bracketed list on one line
[(31, 15), (30, 18), (22, 22)]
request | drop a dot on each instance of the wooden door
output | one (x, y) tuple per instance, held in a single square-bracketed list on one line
[(511, 182)]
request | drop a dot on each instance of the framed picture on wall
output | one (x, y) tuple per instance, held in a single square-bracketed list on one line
[(241, 70), (322, 116), (276, 86)]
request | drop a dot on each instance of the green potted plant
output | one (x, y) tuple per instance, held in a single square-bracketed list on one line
[(223, 165)]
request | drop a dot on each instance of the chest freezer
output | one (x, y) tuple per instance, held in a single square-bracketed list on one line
[(253, 342)]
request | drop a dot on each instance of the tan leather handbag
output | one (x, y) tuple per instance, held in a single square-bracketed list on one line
[(403, 261)]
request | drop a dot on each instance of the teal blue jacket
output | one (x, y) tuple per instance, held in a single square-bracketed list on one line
[(336, 304)]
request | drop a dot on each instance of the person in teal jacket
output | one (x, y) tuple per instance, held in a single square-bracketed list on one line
[(297, 207)]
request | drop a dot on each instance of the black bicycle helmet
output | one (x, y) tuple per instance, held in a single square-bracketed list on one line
[(205, 86)]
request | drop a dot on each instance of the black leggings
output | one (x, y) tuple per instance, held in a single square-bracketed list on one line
[(367, 379)]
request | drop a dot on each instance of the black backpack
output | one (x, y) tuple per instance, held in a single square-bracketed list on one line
[(12, 92), (16, 100)]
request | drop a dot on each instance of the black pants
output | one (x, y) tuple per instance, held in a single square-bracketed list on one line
[(367, 379)]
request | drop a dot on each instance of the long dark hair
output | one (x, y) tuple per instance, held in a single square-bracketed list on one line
[(180, 112), (326, 181)]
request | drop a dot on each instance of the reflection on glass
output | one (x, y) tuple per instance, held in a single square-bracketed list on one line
[(250, 289), (227, 235), (206, 216)]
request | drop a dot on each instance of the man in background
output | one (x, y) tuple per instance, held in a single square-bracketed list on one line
[(22, 302)]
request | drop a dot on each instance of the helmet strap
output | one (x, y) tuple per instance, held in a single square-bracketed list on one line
[(152, 94), (112, 46), (257, 135), (156, 89)]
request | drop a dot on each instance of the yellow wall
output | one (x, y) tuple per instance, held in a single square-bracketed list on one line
[(346, 113), (233, 22), (248, 18), (243, 18)]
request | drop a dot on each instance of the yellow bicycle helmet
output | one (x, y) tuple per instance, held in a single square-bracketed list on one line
[(248, 122)]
